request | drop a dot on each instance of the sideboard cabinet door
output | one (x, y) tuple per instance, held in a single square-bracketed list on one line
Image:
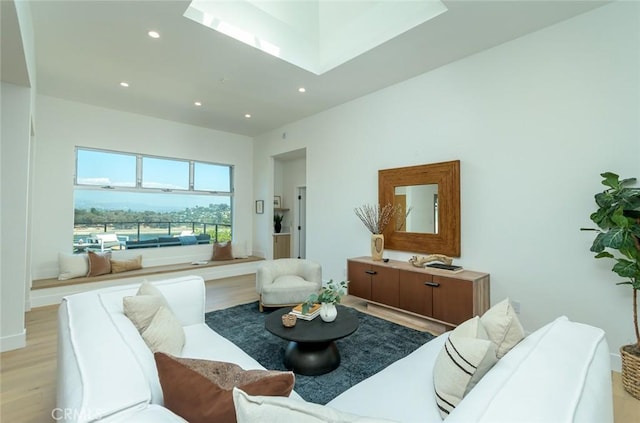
[(452, 300), (385, 288), (416, 293), (359, 279)]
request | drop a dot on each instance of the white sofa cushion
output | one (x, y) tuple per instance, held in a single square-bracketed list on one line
[(403, 391), (503, 327), (464, 359), (185, 295), (265, 409), (543, 378), (98, 375)]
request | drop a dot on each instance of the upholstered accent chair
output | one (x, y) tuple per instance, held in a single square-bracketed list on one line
[(287, 281)]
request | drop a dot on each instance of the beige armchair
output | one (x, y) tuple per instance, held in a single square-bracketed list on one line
[(287, 281)]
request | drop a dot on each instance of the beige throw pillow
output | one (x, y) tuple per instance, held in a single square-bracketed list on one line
[(503, 327), (164, 333), (150, 313), (118, 266), (465, 358)]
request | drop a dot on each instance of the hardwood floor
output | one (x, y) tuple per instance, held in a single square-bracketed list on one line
[(28, 375)]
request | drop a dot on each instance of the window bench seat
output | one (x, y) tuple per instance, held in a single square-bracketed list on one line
[(39, 284)]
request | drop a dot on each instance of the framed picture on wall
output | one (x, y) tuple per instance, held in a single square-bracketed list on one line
[(259, 206), (277, 201)]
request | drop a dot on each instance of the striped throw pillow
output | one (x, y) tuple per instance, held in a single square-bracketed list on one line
[(466, 356)]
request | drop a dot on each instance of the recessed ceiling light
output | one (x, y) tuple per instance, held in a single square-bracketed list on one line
[(247, 115), (124, 84), (154, 34), (302, 90), (197, 103)]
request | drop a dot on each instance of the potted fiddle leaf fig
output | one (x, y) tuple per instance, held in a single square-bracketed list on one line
[(618, 220)]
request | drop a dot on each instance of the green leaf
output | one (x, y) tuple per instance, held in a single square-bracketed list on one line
[(626, 269), (615, 238), (598, 244), (605, 254), (619, 219), (610, 179)]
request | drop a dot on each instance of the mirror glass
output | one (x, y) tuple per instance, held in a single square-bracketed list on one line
[(418, 208), (430, 198)]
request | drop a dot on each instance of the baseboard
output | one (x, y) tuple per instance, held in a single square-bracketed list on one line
[(52, 296), (13, 342), (616, 362)]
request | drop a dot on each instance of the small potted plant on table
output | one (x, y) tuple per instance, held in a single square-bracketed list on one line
[(328, 297)]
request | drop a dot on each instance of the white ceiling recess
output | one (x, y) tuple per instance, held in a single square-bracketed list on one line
[(84, 49)]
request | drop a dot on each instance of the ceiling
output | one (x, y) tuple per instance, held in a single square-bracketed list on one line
[(84, 49)]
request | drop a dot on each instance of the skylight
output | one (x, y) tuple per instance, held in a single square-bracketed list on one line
[(314, 35)]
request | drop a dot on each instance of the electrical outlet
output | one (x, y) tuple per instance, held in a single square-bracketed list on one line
[(516, 306)]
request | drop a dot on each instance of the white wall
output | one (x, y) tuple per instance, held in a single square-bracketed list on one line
[(533, 122), (14, 191), (62, 125)]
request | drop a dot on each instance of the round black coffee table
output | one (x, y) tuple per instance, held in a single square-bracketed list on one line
[(312, 350)]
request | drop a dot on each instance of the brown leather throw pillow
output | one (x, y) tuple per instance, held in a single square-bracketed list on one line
[(222, 251), (202, 390), (99, 263)]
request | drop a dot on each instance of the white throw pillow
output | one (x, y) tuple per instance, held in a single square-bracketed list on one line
[(239, 249), (165, 333), (152, 316), (466, 356), (503, 327), (266, 409), (72, 266)]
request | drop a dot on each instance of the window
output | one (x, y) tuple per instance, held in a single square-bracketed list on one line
[(149, 201)]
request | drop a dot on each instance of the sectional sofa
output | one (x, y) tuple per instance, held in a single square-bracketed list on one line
[(559, 373)]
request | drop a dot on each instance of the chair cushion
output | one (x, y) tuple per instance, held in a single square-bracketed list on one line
[(201, 390), (287, 289)]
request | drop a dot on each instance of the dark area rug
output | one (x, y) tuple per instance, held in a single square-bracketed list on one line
[(376, 344)]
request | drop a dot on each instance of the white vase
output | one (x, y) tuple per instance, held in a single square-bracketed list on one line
[(328, 312)]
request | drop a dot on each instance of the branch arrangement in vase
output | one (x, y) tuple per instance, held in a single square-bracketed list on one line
[(376, 218)]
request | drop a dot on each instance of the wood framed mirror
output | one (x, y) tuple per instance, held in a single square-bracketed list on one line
[(429, 219)]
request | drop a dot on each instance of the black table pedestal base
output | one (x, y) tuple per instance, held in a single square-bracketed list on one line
[(311, 358)]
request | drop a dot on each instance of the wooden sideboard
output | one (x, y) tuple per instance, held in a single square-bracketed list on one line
[(440, 295)]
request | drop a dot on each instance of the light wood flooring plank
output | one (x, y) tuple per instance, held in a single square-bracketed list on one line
[(28, 375)]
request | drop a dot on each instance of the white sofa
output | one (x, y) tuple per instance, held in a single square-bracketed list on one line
[(106, 373)]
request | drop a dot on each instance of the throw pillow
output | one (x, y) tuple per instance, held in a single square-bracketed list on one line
[(263, 409), (118, 266), (72, 266), (503, 327), (150, 313), (201, 390), (99, 263), (466, 356), (222, 251), (239, 249), (164, 333)]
